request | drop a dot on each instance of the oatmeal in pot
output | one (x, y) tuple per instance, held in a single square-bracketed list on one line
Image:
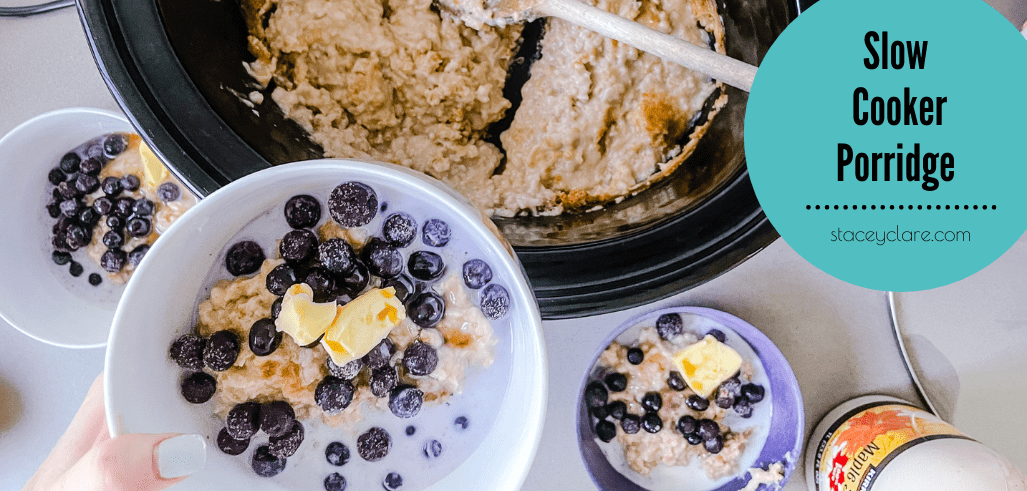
[(673, 399), (401, 82)]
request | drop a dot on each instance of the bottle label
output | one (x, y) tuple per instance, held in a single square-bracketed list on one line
[(861, 443)]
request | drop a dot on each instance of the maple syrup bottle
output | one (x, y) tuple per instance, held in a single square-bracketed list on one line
[(879, 443)]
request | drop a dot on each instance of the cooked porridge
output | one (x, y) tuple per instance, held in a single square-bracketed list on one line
[(659, 412), (400, 82)]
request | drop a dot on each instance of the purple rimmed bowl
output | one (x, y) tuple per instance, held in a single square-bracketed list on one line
[(786, 432)]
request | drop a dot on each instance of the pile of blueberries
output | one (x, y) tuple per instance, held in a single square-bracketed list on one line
[(78, 208), (730, 394)]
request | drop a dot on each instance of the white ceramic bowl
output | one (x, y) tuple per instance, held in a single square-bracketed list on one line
[(38, 297), (142, 382)]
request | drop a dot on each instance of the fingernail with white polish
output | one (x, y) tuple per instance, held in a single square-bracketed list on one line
[(181, 455)]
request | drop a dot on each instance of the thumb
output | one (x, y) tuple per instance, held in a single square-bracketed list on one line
[(137, 462)]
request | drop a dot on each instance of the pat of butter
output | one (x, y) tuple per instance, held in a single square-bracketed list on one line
[(303, 319), (707, 364), (363, 323), (153, 170)]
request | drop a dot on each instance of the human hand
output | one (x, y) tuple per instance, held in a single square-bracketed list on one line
[(86, 458)]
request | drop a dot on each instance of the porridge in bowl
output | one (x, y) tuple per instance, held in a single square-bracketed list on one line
[(352, 347), (401, 82)]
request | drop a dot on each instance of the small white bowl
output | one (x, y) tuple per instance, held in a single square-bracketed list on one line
[(38, 297), (143, 384)]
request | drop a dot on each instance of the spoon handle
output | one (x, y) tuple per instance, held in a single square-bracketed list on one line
[(723, 68)]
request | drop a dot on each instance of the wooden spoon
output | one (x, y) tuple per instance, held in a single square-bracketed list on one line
[(503, 12)]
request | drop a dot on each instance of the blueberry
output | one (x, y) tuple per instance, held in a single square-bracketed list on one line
[(60, 242), (264, 338), (88, 216), (276, 418), (302, 211), (670, 326), (69, 162), (731, 387), (708, 429), (477, 274), (435, 233), (652, 423), (600, 412), (136, 256), (382, 258), (405, 401), (426, 309), (87, 183), (265, 464), (115, 222), (374, 444), (298, 246), (243, 420), (142, 207), (335, 482), (123, 207), (322, 283), (379, 356), (433, 449), (60, 258), (606, 430), (617, 409), (114, 144), (187, 351), (198, 387), (675, 381), (754, 393), (221, 350), (90, 166), (333, 394), (336, 255), (286, 445), (411, 430), (244, 257), (635, 356), (724, 402), (75, 269), (714, 445), (357, 281), (595, 395), (693, 438), (616, 382), (426, 266), (495, 301), (230, 444), (652, 401), (392, 481), (54, 209), (56, 176), (631, 424), (399, 229), (743, 407), (687, 424), (130, 183), (102, 205), (138, 227), (280, 279), (698, 403), (718, 335), (112, 239), (111, 186), (70, 207), (420, 358), (353, 204), (461, 422), (113, 260), (67, 190), (383, 380), (348, 371), (168, 192), (276, 307), (403, 285), (337, 453)]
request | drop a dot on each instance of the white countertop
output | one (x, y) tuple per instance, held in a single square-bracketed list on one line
[(835, 335)]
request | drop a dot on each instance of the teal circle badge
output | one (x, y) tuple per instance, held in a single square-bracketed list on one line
[(887, 139)]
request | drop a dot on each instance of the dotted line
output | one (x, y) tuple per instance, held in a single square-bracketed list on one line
[(901, 207)]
